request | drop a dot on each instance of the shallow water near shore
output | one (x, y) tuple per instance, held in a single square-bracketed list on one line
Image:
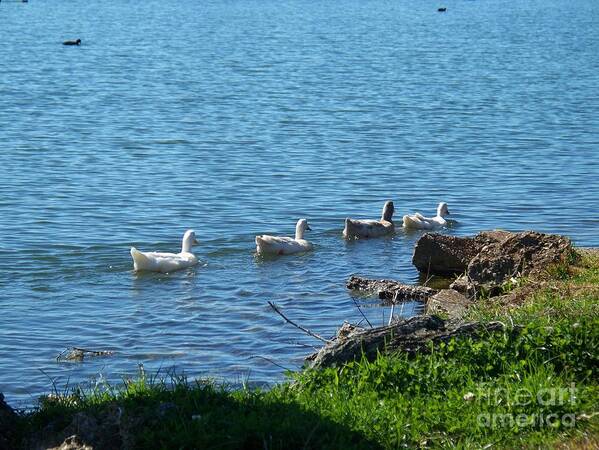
[(237, 118)]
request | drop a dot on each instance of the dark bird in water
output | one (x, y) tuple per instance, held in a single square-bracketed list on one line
[(442, 9), (77, 42)]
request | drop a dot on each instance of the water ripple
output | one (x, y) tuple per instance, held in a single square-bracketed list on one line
[(236, 119)]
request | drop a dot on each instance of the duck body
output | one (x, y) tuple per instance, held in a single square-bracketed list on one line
[(77, 42), (357, 228), (161, 262), (274, 245), (166, 262), (418, 222), (280, 245)]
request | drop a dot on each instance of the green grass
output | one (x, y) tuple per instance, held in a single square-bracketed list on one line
[(402, 401), (533, 385)]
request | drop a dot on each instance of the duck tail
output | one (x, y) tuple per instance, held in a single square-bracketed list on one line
[(139, 259), (348, 229), (407, 221), (259, 244)]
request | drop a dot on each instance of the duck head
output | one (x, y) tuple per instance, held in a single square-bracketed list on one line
[(301, 227), (442, 210), (388, 211), (189, 240)]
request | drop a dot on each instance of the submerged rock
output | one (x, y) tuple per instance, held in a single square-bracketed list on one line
[(79, 354), (389, 290)]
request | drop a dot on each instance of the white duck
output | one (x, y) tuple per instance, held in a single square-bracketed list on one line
[(274, 245), (166, 262), (418, 221), (371, 228)]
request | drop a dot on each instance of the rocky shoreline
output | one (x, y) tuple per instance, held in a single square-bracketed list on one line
[(487, 265)]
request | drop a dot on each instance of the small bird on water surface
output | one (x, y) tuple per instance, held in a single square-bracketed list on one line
[(277, 245), (418, 222), (166, 262), (77, 42), (357, 228)]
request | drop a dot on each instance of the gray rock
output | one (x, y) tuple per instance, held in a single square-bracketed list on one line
[(528, 254), (490, 259), (411, 336), (438, 254), (449, 302), (389, 290)]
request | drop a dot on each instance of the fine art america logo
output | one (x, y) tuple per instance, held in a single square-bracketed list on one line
[(527, 408)]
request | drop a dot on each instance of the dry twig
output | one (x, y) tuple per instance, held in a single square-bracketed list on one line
[(305, 330)]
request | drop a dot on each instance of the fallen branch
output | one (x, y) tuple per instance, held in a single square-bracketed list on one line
[(270, 361), (305, 330), (361, 312)]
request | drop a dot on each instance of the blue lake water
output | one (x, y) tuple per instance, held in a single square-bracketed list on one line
[(238, 117)]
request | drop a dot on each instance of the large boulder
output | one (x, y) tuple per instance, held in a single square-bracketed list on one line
[(490, 259), (438, 254), (519, 254)]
